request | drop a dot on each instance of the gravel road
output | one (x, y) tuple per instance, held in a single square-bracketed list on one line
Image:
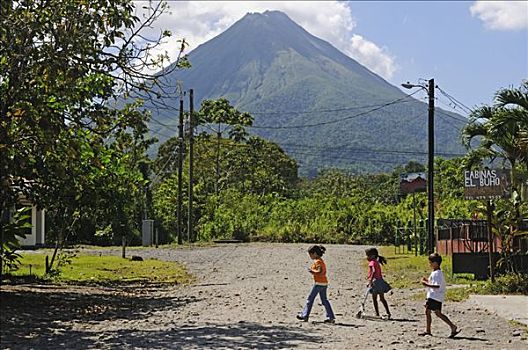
[(246, 296)]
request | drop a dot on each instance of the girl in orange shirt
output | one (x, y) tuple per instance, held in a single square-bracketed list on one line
[(318, 270)]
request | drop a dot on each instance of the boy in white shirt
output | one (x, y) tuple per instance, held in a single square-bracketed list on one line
[(436, 287)]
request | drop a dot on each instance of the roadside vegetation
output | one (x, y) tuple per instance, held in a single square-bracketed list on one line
[(406, 270), (76, 141), (100, 270)]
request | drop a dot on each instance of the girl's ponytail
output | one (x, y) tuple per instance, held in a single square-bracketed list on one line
[(382, 260)]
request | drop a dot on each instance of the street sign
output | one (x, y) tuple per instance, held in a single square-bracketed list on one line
[(486, 184)]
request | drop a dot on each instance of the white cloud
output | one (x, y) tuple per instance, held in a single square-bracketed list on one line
[(502, 15), (371, 55), (332, 21)]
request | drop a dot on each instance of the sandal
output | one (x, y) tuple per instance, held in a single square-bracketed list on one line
[(423, 334), (454, 333)]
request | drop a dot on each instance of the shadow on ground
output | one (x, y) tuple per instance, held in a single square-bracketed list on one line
[(33, 318), (231, 336), (35, 314), (469, 338)]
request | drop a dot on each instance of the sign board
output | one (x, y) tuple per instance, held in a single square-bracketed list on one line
[(413, 182), (486, 184)]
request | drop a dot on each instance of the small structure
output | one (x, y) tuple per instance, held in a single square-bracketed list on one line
[(36, 235), (467, 241), (413, 182), (147, 232)]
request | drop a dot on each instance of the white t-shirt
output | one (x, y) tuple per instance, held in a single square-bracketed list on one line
[(436, 278)]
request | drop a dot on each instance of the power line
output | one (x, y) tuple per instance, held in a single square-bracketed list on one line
[(377, 107), (452, 117), (455, 101), (449, 105), (162, 168), (336, 120), (342, 147), (169, 127), (323, 110), (340, 157), (160, 134), (366, 150)]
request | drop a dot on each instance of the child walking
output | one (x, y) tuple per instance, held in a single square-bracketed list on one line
[(436, 287), (318, 270), (378, 286)]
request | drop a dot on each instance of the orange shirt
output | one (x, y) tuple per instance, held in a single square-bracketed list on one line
[(320, 278)]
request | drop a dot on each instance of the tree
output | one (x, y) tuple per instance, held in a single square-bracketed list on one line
[(223, 117), (64, 65), (500, 129), (257, 168)]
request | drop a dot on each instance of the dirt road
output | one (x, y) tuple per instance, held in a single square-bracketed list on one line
[(246, 297)]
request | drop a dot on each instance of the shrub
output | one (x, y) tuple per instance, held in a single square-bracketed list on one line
[(511, 283)]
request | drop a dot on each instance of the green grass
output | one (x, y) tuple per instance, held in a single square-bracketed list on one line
[(521, 326), (406, 271), (104, 269)]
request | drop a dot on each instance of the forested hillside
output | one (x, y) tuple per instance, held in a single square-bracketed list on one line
[(321, 106)]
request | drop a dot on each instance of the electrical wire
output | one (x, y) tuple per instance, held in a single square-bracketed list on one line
[(340, 157), (160, 134), (452, 117), (324, 110), (455, 101), (449, 105), (336, 120)]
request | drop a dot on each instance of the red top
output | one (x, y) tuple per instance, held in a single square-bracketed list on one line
[(377, 270)]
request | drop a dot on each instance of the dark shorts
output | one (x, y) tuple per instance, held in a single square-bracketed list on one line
[(433, 305)]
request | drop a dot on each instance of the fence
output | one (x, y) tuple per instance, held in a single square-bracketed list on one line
[(463, 236), (407, 241)]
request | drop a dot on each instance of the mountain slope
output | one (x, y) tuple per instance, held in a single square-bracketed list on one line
[(287, 78)]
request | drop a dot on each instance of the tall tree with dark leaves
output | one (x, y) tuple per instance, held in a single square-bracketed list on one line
[(64, 64)]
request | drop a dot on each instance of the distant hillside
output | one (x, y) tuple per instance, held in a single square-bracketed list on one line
[(268, 65)]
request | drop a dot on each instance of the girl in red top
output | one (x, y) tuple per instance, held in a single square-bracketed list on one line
[(377, 285)]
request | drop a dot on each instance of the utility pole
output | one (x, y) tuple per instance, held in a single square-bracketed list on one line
[(180, 170), (430, 164), (430, 173), (145, 210), (489, 211), (218, 137), (190, 234)]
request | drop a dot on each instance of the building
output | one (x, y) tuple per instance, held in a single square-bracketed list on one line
[(36, 235)]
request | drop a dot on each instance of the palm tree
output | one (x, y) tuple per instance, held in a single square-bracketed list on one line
[(515, 102), (501, 130)]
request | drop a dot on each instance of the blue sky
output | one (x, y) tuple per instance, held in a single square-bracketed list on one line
[(471, 48), (442, 40)]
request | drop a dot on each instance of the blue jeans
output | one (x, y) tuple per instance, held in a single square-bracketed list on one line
[(321, 290)]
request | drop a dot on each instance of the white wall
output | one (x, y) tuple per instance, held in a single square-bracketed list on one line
[(37, 229)]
